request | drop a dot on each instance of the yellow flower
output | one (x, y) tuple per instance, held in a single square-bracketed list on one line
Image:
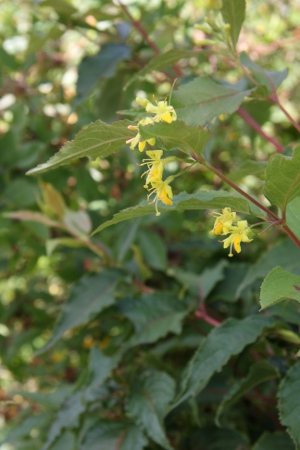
[(223, 221), (155, 166), (163, 111), (137, 140), (239, 233), (163, 192)]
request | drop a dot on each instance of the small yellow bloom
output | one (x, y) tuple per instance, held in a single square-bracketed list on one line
[(155, 166), (137, 140), (163, 192), (223, 221), (239, 233), (163, 111)]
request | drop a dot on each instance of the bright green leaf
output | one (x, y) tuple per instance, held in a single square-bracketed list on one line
[(279, 285), (201, 100), (88, 297), (289, 403), (147, 405), (223, 342), (233, 12), (260, 372), (98, 139), (283, 179)]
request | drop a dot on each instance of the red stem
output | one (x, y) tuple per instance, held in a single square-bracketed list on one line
[(207, 318), (259, 130)]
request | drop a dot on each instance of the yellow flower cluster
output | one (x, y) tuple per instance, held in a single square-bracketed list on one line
[(163, 113), (238, 230), (159, 187)]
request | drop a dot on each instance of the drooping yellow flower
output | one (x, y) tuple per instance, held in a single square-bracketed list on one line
[(137, 140), (239, 233), (162, 191), (163, 111), (155, 166), (223, 221)]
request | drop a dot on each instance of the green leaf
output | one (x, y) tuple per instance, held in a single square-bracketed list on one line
[(293, 216), (233, 12), (153, 249), (191, 140), (211, 438), (23, 429), (184, 202), (109, 435), (102, 65), (272, 80), (97, 140), (147, 405), (66, 441), (279, 285), (200, 283), (253, 168), (88, 297), (67, 417), (223, 342), (283, 179), (274, 441), (289, 403), (201, 100), (100, 367), (153, 316), (163, 61), (259, 372), (285, 253)]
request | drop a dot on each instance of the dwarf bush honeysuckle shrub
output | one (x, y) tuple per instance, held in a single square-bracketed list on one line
[(173, 325)]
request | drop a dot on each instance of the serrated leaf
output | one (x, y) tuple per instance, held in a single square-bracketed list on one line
[(163, 61), (191, 140), (223, 342), (67, 417), (88, 297), (153, 316), (100, 367), (101, 65), (97, 140), (147, 405), (293, 216), (260, 372), (109, 435), (283, 179), (270, 79), (201, 100), (274, 441), (279, 285), (289, 403), (185, 202), (233, 12), (285, 253)]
